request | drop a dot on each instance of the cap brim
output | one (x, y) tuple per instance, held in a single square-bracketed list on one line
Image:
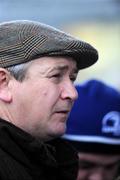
[(84, 59)]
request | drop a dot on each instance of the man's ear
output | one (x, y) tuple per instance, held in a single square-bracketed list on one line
[(5, 94)]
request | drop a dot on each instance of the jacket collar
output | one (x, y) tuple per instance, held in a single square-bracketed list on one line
[(23, 147)]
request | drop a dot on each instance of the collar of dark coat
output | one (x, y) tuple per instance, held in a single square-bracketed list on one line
[(67, 159), (23, 147), (27, 150)]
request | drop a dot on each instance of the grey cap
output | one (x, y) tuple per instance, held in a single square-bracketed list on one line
[(22, 41)]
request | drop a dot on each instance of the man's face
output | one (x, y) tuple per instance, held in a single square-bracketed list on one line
[(97, 167), (44, 99)]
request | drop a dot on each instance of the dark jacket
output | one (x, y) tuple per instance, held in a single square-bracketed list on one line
[(24, 158)]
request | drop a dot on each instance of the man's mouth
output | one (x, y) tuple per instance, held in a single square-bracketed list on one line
[(63, 111), (63, 114)]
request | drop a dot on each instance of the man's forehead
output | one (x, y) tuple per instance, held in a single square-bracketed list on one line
[(63, 67), (99, 158), (57, 63)]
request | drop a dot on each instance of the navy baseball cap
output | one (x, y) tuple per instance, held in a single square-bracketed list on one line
[(94, 122)]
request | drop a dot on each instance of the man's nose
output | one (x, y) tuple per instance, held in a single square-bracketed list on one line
[(69, 91)]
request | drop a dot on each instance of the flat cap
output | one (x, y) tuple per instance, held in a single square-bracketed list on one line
[(22, 41)]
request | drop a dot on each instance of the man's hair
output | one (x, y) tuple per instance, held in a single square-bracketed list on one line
[(19, 71)]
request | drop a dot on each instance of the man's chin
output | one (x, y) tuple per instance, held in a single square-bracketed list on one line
[(57, 133)]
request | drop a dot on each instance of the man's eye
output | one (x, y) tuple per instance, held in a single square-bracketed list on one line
[(111, 166), (56, 75), (84, 166), (72, 78), (56, 78)]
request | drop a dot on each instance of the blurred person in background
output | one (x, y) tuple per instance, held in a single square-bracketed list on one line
[(38, 65), (93, 128)]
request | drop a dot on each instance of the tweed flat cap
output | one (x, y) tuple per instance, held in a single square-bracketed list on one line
[(22, 41)]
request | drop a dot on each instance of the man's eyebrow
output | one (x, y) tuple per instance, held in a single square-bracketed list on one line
[(86, 162), (60, 67), (63, 68), (90, 163)]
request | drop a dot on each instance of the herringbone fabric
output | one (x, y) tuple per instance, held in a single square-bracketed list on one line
[(23, 41)]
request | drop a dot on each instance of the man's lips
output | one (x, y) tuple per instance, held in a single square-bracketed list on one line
[(63, 111), (62, 115)]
